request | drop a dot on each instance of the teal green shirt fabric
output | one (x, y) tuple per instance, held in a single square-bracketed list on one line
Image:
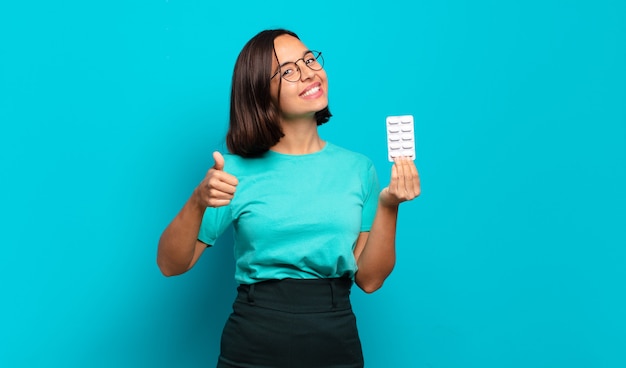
[(296, 216)]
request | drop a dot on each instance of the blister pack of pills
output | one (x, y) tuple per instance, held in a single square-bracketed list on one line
[(400, 137)]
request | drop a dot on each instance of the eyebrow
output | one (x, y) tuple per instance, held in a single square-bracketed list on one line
[(287, 62)]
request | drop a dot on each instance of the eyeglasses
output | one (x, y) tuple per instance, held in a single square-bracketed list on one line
[(290, 71)]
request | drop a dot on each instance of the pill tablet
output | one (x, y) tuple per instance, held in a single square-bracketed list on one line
[(400, 129)]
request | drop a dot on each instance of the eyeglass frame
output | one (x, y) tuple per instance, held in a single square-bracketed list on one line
[(317, 57)]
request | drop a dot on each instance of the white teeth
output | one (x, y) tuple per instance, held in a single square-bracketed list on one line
[(311, 91)]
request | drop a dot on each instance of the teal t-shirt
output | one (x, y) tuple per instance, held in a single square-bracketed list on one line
[(296, 216)]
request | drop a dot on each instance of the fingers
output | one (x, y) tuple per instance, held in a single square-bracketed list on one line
[(405, 182), (218, 187), (219, 166), (415, 179), (219, 161), (397, 184), (221, 176), (393, 185)]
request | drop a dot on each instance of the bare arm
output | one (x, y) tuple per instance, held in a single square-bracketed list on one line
[(375, 251), (179, 248)]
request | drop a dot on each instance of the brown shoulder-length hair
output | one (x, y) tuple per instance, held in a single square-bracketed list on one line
[(254, 120)]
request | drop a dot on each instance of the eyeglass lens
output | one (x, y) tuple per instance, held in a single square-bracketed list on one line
[(291, 71)]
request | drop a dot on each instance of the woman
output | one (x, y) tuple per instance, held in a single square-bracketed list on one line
[(308, 217)]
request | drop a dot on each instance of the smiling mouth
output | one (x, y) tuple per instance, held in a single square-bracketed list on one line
[(311, 91)]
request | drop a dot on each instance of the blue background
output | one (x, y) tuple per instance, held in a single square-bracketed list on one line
[(513, 256)]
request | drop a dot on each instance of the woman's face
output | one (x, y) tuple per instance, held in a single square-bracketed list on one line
[(306, 96)]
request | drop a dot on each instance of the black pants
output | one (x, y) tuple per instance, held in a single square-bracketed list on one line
[(292, 323)]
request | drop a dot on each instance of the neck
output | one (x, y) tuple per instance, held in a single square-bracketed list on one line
[(301, 137)]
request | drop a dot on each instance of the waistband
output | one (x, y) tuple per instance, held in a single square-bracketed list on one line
[(298, 295)]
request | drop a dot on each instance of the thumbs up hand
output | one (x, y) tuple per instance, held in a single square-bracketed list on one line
[(217, 188)]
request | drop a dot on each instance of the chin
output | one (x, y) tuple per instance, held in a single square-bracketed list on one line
[(321, 104)]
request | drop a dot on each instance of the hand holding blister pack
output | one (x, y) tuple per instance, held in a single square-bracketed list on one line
[(400, 137)]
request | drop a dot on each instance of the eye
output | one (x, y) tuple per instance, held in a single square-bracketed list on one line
[(288, 69), (309, 59)]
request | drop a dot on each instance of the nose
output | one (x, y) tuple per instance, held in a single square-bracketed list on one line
[(305, 71)]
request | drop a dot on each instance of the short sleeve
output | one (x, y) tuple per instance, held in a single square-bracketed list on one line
[(214, 222), (371, 187)]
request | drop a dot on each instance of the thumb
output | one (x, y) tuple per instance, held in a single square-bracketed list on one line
[(219, 161)]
